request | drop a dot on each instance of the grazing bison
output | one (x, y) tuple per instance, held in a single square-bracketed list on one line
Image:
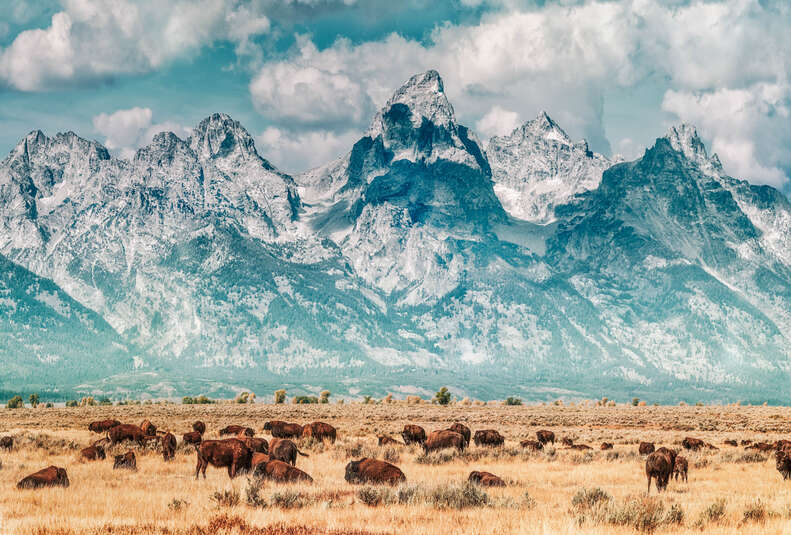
[(681, 468), (533, 445), (746, 442), (413, 434), (148, 428), (259, 458), (606, 446), (231, 453), (761, 446), (236, 430), (199, 427), (320, 431), (693, 444), (282, 449), (102, 426), (488, 437), (463, 430), (281, 472), (485, 479), (581, 447), (94, 452), (731, 443), (646, 448), (783, 462), (566, 441), (123, 432), (258, 445), (374, 471), (280, 429), (387, 441), (6, 443), (659, 465), (127, 461), (48, 477), (168, 446), (782, 444), (439, 440), (193, 437), (545, 436)]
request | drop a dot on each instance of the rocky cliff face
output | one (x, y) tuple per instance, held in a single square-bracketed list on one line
[(534, 267)]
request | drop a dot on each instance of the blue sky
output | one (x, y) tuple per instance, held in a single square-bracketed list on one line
[(305, 76)]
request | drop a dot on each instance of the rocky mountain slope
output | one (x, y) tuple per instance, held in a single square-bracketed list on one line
[(534, 267)]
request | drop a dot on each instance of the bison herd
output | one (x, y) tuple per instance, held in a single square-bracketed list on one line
[(240, 451)]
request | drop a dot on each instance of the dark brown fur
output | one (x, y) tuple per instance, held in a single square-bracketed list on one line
[(168, 446), (280, 429), (681, 468), (320, 431), (646, 448), (102, 426), (545, 436), (693, 444), (439, 440), (387, 441), (281, 472), (463, 430), (485, 479), (193, 437), (659, 465), (282, 449), (127, 461), (94, 452), (6, 443), (413, 434), (231, 453), (237, 430), (199, 427), (148, 428), (731, 443), (533, 445), (374, 471), (123, 432), (48, 477), (566, 441), (606, 446), (783, 462), (488, 437), (258, 445)]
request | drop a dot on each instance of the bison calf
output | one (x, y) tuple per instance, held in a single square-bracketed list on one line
[(485, 479), (374, 471), (533, 445), (94, 452), (168, 447), (193, 437), (387, 441), (48, 477), (606, 446), (681, 468)]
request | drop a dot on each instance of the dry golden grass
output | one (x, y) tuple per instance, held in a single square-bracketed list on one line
[(164, 498)]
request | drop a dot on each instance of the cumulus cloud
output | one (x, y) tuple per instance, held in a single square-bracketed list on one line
[(92, 40), (567, 58), (498, 122), (127, 130), (286, 148)]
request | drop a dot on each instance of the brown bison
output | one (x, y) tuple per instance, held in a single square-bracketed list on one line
[(581, 447), (783, 444), (102, 426), (413, 434), (258, 445), (439, 440), (199, 427), (282, 449), (761, 446), (148, 428), (463, 430), (488, 437), (374, 471), (731, 443), (681, 468), (783, 462), (545, 436), (193, 437), (6, 443), (231, 453), (693, 444), (485, 479), (94, 452), (259, 458), (281, 472), (387, 441), (237, 430), (168, 446), (566, 441), (659, 465), (127, 461), (533, 445), (123, 432), (746, 442), (320, 431), (646, 448), (48, 477), (280, 429), (606, 446)]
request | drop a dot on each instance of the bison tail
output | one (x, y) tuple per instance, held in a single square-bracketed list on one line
[(303, 454)]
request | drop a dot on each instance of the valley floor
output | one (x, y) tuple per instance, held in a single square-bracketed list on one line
[(730, 490)]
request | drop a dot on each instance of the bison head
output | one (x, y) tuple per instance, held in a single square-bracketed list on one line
[(62, 477), (267, 426), (353, 471)]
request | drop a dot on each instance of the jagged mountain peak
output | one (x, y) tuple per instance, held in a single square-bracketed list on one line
[(220, 136), (684, 138), (424, 95)]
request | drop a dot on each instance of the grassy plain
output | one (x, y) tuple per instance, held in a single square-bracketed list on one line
[(730, 490)]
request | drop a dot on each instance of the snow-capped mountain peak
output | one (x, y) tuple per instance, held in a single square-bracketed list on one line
[(684, 138), (424, 95)]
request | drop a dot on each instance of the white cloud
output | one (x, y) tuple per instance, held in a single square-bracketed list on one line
[(498, 122), (95, 39), (127, 130), (292, 151)]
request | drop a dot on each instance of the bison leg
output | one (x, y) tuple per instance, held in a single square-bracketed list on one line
[(649, 484)]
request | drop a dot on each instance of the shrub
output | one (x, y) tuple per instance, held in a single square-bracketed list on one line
[(713, 513), (72, 403), (187, 400), (226, 498), (305, 400), (755, 512), (442, 397), (33, 400), (177, 504), (368, 400), (252, 495), (513, 401), (104, 401), (49, 405), (457, 496), (280, 396), (87, 401), (373, 496), (752, 457), (587, 498), (290, 499), (324, 396), (635, 402), (15, 403), (391, 455), (243, 398)]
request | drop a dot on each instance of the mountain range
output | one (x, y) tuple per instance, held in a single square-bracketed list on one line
[(527, 266)]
